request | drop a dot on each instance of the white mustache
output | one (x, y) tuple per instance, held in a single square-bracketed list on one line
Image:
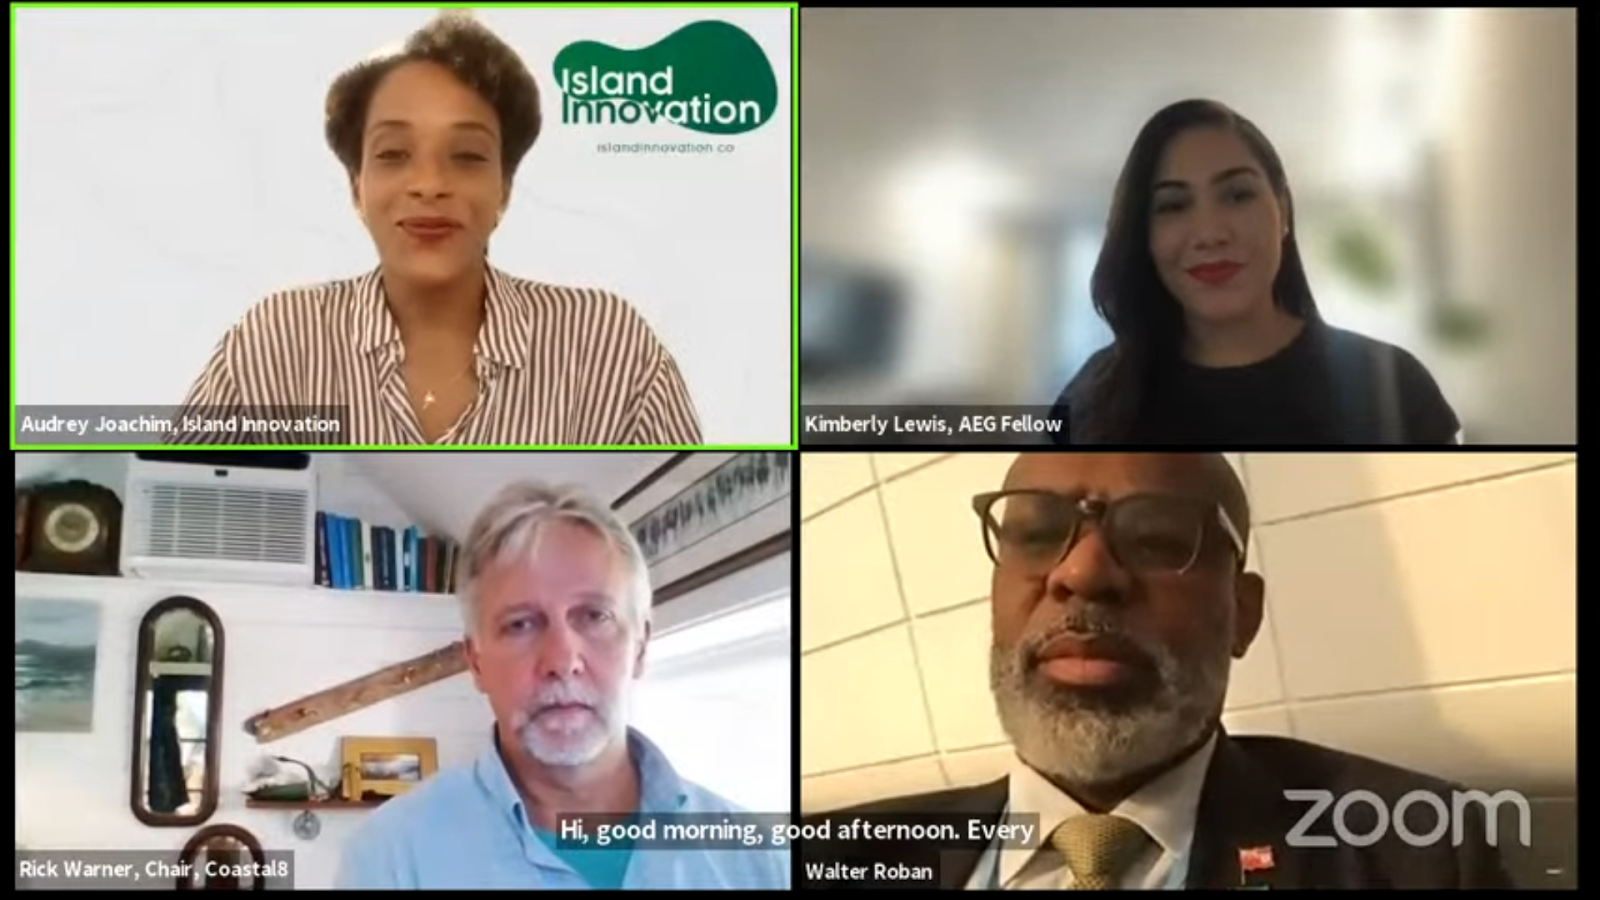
[(562, 694)]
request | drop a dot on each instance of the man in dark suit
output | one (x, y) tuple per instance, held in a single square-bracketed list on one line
[(1119, 601)]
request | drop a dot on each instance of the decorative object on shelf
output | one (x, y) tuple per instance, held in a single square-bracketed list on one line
[(306, 826), (360, 693), (710, 515), (74, 528), (57, 651), (385, 766), (215, 857), (273, 783), (177, 711)]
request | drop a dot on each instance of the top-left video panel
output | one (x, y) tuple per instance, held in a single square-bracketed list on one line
[(515, 228)]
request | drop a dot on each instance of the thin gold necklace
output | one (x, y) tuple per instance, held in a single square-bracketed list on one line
[(427, 396)]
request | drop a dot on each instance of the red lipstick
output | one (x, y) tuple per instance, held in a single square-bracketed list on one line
[(1215, 272)]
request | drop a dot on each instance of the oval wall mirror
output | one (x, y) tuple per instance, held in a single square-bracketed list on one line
[(177, 708)]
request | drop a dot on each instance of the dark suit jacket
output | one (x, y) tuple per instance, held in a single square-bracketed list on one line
[(1242, 805)]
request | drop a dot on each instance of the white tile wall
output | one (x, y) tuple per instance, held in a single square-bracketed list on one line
[(1421, 609)]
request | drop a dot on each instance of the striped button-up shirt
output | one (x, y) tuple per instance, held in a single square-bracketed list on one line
[(554, 365)]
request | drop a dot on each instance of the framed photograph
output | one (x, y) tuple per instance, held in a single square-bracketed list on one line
[(386, 766), (708, 511)]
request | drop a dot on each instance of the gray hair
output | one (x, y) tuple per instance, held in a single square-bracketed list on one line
[(511, 524)]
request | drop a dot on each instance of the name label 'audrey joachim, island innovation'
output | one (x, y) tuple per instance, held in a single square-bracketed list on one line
[(931, 424), (152, 425)]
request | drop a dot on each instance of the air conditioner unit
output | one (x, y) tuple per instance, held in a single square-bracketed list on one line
[(218, 517)]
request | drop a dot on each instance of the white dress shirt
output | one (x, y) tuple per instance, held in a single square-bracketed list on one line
[(1165, 808)]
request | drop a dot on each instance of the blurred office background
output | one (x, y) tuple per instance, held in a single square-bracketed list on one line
[(957, 167)]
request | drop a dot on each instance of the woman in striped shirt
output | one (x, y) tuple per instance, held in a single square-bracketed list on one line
[(436, 346)]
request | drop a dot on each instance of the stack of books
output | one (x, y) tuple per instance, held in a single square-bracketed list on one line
[(353, 555)]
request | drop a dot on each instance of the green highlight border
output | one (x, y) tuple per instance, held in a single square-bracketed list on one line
[(794, 227)]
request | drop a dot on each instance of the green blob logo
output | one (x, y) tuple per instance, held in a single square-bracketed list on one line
[(709, 77)]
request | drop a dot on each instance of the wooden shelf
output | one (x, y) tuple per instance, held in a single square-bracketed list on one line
[(224, 586), (292, 805), (299, 608)]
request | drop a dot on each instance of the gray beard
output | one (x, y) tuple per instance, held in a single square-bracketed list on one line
[(577, 746), (1066, 736)]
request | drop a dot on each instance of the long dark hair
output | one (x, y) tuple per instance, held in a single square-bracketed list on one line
[(1145, 319)]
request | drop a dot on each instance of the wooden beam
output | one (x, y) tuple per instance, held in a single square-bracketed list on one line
[(643, 484), (384, 684), (744, 559)]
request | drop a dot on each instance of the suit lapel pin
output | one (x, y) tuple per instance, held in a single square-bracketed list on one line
[(1253, 860)]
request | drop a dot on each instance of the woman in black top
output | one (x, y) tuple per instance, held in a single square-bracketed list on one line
[(1217, 337)]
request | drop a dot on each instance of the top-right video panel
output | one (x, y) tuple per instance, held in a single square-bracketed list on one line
[(1191, 227)]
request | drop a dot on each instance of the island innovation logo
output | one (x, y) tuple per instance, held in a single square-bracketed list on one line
[(710, 77)]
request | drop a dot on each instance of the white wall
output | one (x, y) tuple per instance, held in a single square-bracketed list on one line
[(221, 190), (1510, 175), (715, 698), (281, 645), (1421, 609)]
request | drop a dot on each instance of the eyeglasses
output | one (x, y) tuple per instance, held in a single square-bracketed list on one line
[(1032, 531)]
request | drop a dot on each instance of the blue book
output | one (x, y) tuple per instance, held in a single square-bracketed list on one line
[(357, 579), (335, 552), (344, 554), (375, 534), (405, 556), (420, 570), (385, 549)]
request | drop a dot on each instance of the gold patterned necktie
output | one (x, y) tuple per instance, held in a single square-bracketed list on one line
[(1099, 849)]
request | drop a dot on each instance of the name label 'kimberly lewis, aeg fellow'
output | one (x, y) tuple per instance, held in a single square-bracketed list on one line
[(933, 423)]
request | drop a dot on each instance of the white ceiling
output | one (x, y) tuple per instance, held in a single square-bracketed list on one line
[(444, 492), (440, 491), (1054, 96)]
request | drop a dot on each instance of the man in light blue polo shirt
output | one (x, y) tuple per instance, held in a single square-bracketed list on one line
[(556, 599)]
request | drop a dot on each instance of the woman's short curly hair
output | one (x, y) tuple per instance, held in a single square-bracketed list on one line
[(471, 52)]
